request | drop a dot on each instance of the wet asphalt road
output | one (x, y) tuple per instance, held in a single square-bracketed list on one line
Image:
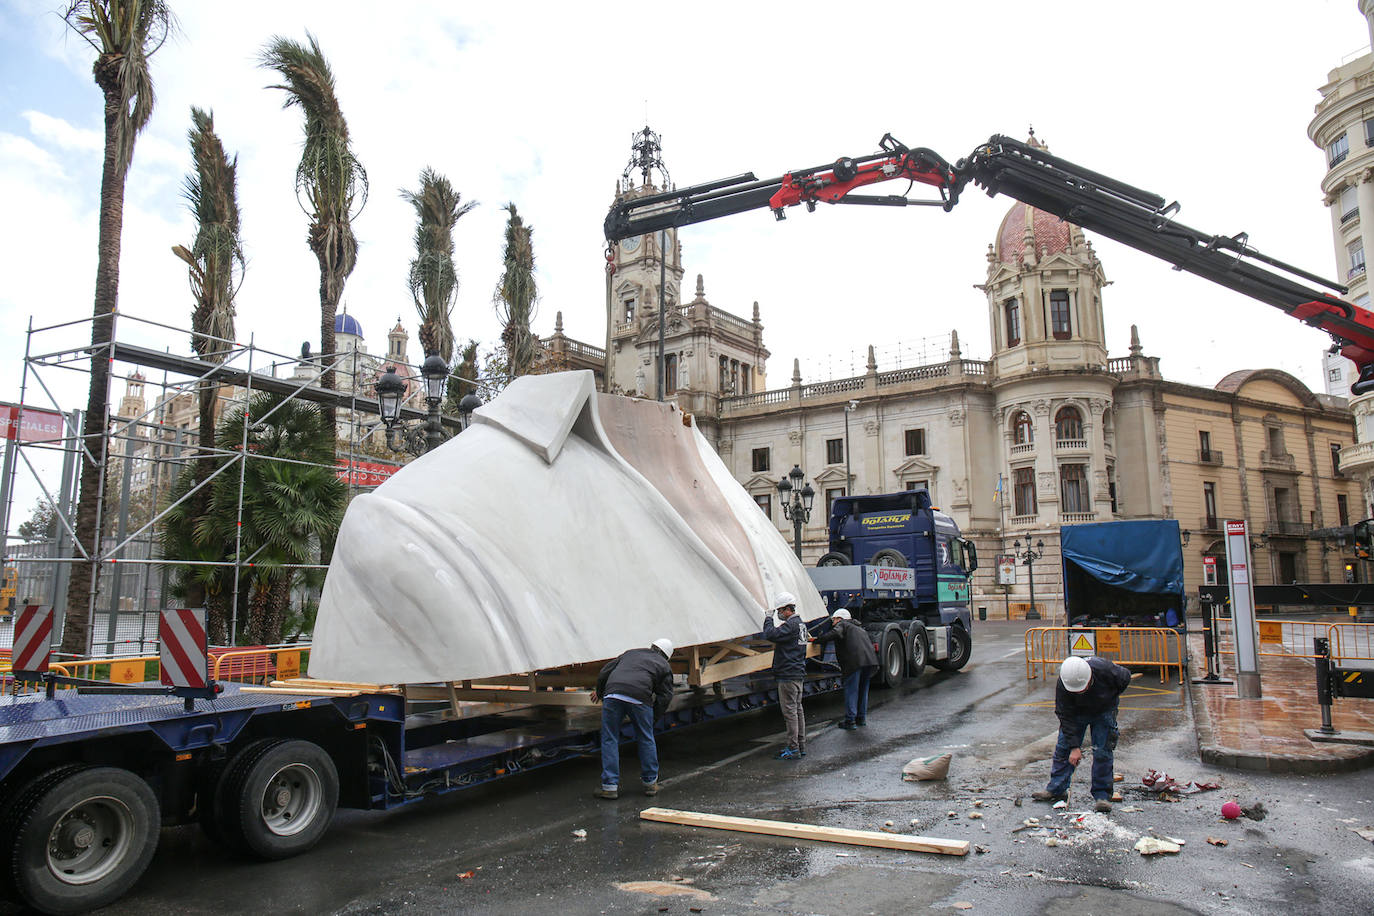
[(517, 838)]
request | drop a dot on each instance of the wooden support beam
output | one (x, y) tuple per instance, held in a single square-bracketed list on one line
[(808, 832), (336, 685), (452, 693)]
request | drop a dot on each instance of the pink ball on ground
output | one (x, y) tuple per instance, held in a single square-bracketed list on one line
[(1230, 811)]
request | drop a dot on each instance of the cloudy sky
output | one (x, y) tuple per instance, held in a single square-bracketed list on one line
[(1206, 103)]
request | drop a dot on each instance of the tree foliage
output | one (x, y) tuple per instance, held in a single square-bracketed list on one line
[(433, 278), (516, 297)]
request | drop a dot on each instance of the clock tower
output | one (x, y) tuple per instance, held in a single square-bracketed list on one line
[(641, 271)]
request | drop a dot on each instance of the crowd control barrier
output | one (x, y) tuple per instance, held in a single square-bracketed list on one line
[(1160, 647)]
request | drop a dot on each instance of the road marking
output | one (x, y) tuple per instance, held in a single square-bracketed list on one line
[(1020, 651)]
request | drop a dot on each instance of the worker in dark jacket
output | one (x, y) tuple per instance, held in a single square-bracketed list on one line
[(789, 636), (638, 684), (1086, 696), (858, 660)]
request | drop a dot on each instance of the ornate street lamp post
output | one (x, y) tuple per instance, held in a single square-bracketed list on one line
[(1029, 557), (391, 390), (796, 503)]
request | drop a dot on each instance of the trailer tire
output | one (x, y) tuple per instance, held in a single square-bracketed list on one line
[(14, 805), (888, 557), (961, 645), (217, 801), (833, 558), (891, 659), (285, 799), (920, 651), (85, 841)]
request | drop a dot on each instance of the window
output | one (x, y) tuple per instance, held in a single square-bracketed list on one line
[(765, 502), (670, 373), (1111, 487), (1204, 445), (1337, 150), (1059, 314), (1068, 424), (1023, 489), (1334, 374), (1073, 489), (834, 454), (917, 485), (1288, 568), (1369, 132), (1013, 311), (1350, 204), (1342, 509), (1209, 505), (727, 385), (1283, 505), (915, 442), (1275, 436), (629, 310), (1023, 433), (1356, 251), (832, 494), (1336, 461), (762, 460), (743, 379)]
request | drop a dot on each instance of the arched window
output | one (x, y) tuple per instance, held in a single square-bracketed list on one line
[(1022, 430), (1068, 424)]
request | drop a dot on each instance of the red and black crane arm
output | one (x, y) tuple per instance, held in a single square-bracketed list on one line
[(1088, 199)]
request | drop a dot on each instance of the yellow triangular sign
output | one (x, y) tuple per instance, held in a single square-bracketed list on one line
[(1082, 644)]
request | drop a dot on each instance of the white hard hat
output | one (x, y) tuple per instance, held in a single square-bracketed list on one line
[(664, 645), (783, 599), (841, 614), (1075, 673)]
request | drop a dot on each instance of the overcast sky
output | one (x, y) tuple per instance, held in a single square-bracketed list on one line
[(535, 103)]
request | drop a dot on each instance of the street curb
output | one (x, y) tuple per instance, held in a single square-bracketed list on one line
[(1217, 755)]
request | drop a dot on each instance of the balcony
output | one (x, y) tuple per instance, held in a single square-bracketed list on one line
[(1074, 518), (1287, 528), (1209, 524), (1274, 461), (1071, 445), (1023, 521), (1025, 448), (1356, 458), (1210, 456)]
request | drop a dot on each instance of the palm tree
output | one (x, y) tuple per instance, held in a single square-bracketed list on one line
[(515, 297), (124, 34), (330, 180), (215, 264), (433, 278)]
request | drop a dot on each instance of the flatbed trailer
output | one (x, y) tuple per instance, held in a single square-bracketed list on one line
[(86, 780)]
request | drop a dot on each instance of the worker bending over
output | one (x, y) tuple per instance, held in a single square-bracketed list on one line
[(1086, 696), (638, 684)]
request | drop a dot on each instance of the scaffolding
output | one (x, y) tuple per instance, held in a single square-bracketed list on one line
[(140, 458)]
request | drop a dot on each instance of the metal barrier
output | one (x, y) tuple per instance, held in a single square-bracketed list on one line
[(259, 664), (1351, 641), (1160, 647), (1294, 638)]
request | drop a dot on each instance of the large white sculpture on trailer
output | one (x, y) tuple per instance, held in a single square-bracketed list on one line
[(564, 526)]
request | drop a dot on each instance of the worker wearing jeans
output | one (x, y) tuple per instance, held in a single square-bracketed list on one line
[(1086, 697), (639, 686)]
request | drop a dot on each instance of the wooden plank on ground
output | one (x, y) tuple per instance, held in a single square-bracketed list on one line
[(808, 831)]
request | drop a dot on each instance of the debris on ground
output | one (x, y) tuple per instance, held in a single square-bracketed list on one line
[(1364, 833), (1027, 824), (1215, 841), (915, 822), (1061, 804), (1163, 782), (952, 814), (975, 815), (1117, 777), (664, 889), (1131, 809), (1254, 812), (1052, 841), (963, 905), (467, 876), (1116, 797), (1247, 865), (980, 849), (924, 768), (1230, 810), (1016, 801), (1153, 846), (580, 833), (978, 803)]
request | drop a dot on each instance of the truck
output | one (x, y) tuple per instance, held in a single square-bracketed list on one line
[(1126, 573), (901, 569)]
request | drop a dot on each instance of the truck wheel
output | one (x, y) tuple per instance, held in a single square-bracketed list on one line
[(17, 800), (892, 660), (920, 651), (85, 841), (960, 645), (216, 802), (888, 557), (285, 799), (833, 558)]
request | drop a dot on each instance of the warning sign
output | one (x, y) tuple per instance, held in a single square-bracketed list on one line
[(126, 672), (1109, 641), (1271, 631), (289, 664), (1082, 642)]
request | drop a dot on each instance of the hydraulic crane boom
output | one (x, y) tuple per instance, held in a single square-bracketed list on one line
[(1080, 196)]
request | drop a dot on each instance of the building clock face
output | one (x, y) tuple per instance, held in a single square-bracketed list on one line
[(630, 244)]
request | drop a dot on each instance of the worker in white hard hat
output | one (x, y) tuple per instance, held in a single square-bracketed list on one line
[(639, 686), (857, 660), (789, 636), (1086, 697)]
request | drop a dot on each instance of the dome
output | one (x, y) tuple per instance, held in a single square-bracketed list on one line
[(1050, 232), (347, 324)]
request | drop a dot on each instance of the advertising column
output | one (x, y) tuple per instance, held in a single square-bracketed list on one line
[(1240, 568)]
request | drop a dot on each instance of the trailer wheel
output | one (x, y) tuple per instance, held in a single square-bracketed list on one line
[(285, 799), (920, 651), (216, 801), (959, 650), (15, 802), (888, 557), (85, 841), (833, 558), (892, 659)]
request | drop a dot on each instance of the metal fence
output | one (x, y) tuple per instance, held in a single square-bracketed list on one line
[(1162, 647)]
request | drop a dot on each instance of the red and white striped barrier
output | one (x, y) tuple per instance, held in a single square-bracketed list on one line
[(32, 639), (181, 631)]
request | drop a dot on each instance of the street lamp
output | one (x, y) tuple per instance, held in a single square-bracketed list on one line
[(391, 390), (796, 503), (848, 477), (466, 406), (435, 372), (1029, 557)]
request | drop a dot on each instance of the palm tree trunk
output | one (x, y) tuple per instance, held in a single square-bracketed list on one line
[(217, 607), (76, 630), (205, 464), (329, 307), (278, 600)]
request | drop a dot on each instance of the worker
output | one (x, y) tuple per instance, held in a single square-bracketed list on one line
[(858, 660), (638, 685), (1086, 695), (789, 636)]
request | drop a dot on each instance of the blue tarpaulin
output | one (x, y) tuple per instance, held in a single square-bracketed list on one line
[(1143, 557)]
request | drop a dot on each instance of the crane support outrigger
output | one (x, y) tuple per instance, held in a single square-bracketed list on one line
[(1093, 201)]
